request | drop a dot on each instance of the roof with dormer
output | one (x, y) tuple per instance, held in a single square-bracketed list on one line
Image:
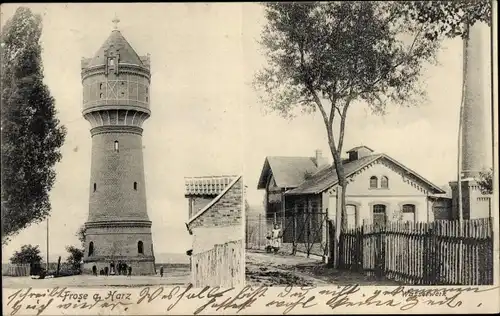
[(327, 177), (117, 44)]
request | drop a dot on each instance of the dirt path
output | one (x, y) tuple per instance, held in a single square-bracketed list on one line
[(280, 270)]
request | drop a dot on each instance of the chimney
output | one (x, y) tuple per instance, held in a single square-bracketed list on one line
[(319, 159)]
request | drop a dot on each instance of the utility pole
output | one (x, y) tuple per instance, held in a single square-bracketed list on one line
[(47, 244)]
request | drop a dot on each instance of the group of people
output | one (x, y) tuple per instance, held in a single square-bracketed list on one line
[(122, 269), (274, 239)]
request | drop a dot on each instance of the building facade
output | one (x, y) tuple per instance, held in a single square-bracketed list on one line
[(217, 254), (380, 189), (116, 104)]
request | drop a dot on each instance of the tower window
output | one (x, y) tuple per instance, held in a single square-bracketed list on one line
[(147, 99), (116, 146), (95, 186), (111, 62), (135, 186), (147, 89), (101, 95), (123, 83), (100, 86), (91, 248), (140, 247)]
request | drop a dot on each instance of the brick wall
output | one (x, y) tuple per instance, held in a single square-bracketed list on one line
[(114, 173), (226, 211)]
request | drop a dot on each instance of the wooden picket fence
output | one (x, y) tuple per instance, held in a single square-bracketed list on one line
[(437, 253), (16, 270), (219, 266)]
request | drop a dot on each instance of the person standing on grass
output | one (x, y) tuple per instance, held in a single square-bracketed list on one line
[(276, 238), (161, 272), (129, 270)]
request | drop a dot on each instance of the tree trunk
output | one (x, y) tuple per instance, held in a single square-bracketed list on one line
[(340, 217)]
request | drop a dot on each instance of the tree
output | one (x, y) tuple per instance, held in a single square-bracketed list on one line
[(75, 256), (81, 235), (447, 18), (485, 181), (28, 254), (330, 56), (31, 133)]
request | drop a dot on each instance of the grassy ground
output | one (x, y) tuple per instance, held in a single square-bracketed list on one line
[(281, 270)]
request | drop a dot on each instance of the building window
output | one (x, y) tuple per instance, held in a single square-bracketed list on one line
[(95, 186), (379, 215), (140, 247), (101, 95), (352, 215), (384, 183), (373, 182), (147, 99), (111, 61), (408, 213), (147, 90), (116, 146), (91, 248), (100, 86), (135, 186)]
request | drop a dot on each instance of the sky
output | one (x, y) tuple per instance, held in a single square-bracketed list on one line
[(206, 118)]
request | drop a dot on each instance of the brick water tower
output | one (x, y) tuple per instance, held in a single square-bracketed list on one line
[(116, 104)]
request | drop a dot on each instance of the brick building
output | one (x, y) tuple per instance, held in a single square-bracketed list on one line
[(116, 104), (217, 254)]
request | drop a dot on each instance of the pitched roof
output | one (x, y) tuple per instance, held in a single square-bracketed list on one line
[(359, 147), (326, 178), (288, 172), (217, 198), (207, 185), (117, 43)]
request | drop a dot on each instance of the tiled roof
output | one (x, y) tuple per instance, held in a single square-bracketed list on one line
[(288, 172), (326, 178), (207, 185), (115, 42), (233, 181)]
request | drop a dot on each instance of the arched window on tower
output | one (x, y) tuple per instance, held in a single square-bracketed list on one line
[(91, 248), (100, 86), (95, 186), (140, 247), (116, 146), (135, 186)]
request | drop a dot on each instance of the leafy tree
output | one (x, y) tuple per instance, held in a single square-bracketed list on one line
[(485, 181), (28, 254), (81, 235), (75, 256), (330, 56), (447, 18), (31, 133)]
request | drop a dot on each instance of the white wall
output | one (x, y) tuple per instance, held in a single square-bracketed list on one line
[(400, 191)]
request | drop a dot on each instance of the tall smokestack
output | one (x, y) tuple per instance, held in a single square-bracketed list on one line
[(477, 102)]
